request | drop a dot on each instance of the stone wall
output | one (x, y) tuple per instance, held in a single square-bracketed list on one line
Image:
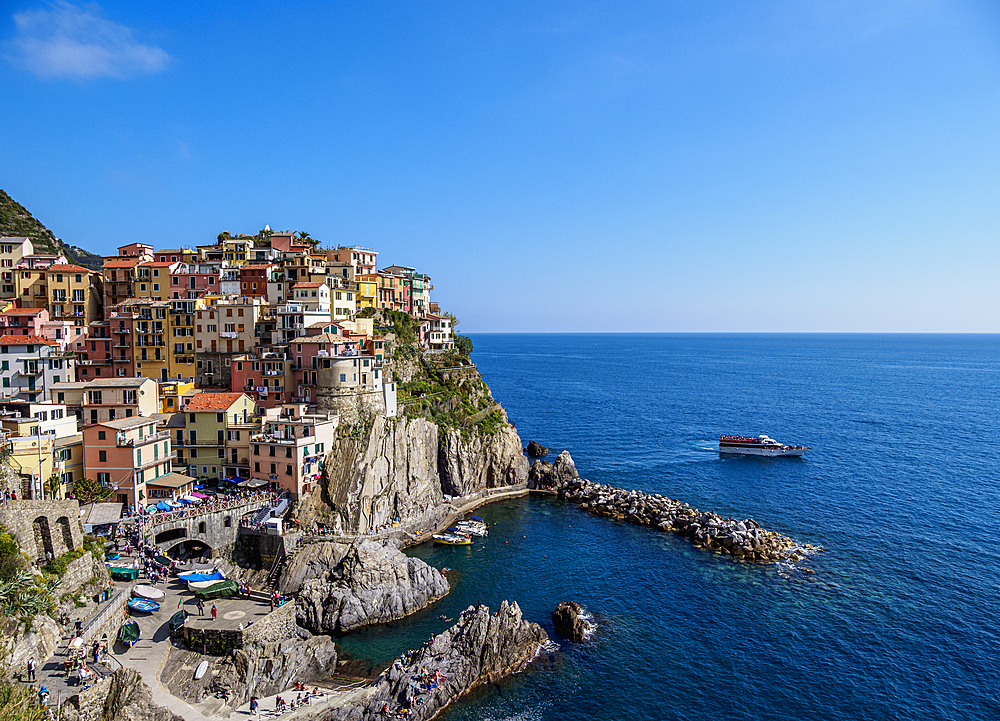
[(350, 405), (43, 527), (81, 572), (217, 535)]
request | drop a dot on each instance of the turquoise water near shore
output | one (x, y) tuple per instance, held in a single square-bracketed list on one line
[(899, 619)]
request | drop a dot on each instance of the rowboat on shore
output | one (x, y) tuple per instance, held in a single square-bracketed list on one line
[(129, 633), (143, 606), (148, 592)]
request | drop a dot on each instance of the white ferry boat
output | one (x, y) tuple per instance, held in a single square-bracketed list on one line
[(758, 446)]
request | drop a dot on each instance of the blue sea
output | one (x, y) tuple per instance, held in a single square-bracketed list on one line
[(899, 618)]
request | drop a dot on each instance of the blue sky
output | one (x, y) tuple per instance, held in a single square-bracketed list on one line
[(555, 166)]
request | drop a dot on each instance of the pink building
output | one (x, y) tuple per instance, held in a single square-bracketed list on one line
[(193, 280), (291, 449), (262, 376), (308, 354), (132, 457)]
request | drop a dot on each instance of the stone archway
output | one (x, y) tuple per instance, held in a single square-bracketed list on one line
[(189, 548), (169, 535), (43, 538), (67, 532)]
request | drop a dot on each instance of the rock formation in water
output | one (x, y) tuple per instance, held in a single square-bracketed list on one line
[(551, 476), (568, 622), (744, 540), (481, 648), (373, 583), (122, 696), (536, 449)]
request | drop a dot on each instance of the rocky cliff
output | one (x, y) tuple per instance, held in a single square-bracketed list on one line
[(18, 645), (121, 697), (481, 648), (470, 462), (373, 583), (276, 653), (402, 467)]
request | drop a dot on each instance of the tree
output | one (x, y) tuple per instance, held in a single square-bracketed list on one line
[(463, 344), (52, 484), (87, 491), (224, 235)]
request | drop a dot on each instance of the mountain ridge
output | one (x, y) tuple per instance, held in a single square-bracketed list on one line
[(17, 222)]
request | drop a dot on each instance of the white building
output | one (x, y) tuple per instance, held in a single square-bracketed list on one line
[(29, 365), (12, 250), (439, 336), (314, 297), (231, 281)]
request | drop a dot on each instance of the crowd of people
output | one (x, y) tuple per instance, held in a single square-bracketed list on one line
[(232, 500)]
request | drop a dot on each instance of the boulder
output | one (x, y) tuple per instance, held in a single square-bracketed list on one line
[(536, 449), (566, 618), (373, 583)]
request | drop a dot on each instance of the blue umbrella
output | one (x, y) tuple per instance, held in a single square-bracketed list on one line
[(163, 506)]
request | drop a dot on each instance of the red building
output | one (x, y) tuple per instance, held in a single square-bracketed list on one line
[(253, 278)]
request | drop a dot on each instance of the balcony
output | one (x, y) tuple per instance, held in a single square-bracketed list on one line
[(156, 461), (123, 442), (122, 345)]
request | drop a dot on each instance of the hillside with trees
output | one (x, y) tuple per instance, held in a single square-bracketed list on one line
[(16, 221)]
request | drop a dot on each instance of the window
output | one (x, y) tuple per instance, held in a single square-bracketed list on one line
[(104, 479), (274, 468), (101, 435), (256, 467), (191, 417), (343, 377), (288, 470), (102, 456), (220, 418)]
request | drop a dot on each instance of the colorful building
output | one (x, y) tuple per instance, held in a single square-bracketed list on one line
[(291, 449)]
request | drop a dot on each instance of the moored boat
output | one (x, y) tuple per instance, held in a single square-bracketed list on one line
[(758, 446), (452, 539), (473, 527)]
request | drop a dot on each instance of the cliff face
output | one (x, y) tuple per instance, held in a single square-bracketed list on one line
[(402, 467), (480, 460), (17, 646), (374, 583), (377, 474)]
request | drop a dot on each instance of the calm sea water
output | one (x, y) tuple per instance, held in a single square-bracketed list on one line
[(900, 618)]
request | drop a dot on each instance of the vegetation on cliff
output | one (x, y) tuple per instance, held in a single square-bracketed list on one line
[(17, 222), (20, 703)]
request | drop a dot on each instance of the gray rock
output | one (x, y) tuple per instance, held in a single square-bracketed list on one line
[(536, 449), (373, 583), (481, 648), (121, 697)]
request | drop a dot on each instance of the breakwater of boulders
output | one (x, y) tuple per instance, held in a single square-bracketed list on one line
[(744, 540)]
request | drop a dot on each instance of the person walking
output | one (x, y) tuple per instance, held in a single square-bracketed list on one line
[(215, 612), (253, 705), (201, 607), (31, 669)]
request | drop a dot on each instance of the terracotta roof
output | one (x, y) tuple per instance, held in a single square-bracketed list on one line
[(161, 264), (307, 285), (258, 266), (23, 311), (208, 401), (123, 263), (178, 251), (25, 340), (61, 266)]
